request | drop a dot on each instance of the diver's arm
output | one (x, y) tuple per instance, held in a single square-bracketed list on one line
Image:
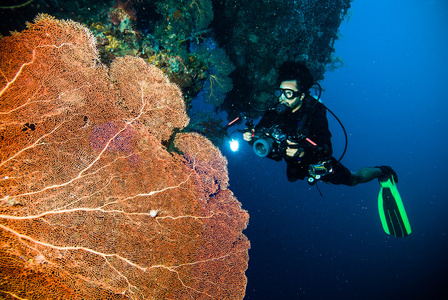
[(265, 122), (320, 133), (268, 120)]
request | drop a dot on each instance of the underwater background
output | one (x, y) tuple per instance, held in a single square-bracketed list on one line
[(391, 97)]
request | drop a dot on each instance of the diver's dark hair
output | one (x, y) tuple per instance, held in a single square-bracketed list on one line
[(298, 71)]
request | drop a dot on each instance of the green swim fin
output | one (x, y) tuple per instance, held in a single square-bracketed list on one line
[(392, 213)]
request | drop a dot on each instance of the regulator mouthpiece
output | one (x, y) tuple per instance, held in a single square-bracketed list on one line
[(282, 108)]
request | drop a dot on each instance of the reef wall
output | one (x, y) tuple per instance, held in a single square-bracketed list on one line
[(260, 35), (227, 51)]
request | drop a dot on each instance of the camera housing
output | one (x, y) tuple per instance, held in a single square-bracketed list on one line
[(270, 141)]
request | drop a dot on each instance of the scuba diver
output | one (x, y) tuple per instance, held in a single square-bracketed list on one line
[(296, 130)]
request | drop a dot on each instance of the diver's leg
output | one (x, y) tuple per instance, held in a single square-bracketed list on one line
[(294, 172), (365, 175)]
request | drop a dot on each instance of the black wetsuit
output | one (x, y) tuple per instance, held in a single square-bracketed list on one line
[(315, 127)]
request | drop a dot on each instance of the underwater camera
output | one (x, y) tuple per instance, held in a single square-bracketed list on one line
[(270, 141)]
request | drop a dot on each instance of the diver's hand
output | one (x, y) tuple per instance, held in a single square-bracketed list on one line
[(247, 136), (294, 152)]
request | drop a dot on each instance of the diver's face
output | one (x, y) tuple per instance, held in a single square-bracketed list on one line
[(293, 103)]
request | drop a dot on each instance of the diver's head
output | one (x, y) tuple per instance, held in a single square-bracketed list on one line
[(294, 80), (298, 72), (289, 96)]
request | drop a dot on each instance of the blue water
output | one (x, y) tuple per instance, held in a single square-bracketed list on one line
[(391, 97)]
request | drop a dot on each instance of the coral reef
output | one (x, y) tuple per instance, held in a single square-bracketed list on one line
[(202, 10), (264, 34), (217, 83), (209, 125), (92, 205), (165, 44), (227, 51)]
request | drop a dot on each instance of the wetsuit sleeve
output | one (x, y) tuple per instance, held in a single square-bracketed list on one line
[(319, 131), (266, 121)]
